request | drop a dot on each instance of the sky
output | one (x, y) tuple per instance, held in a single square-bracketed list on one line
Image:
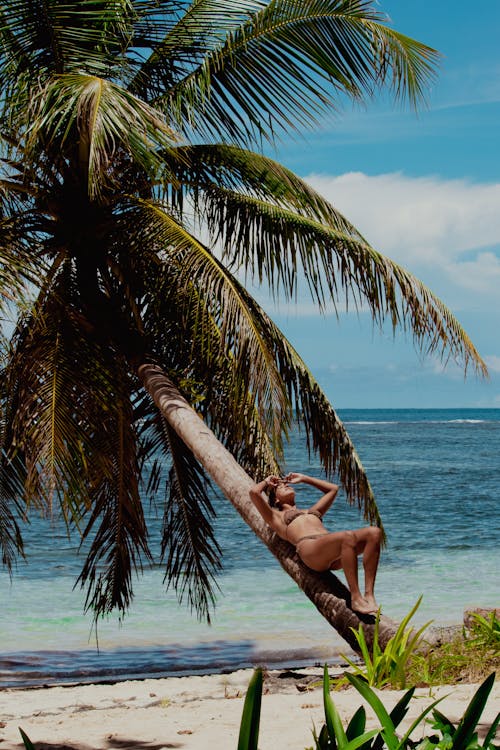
[(423, 189)]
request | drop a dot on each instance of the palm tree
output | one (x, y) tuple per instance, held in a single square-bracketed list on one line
[(129, 130)]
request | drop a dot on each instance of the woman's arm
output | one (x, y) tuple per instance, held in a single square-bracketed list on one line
[(329, 488), (260, 502)]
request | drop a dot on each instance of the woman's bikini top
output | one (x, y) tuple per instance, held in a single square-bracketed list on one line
[(289, 516)]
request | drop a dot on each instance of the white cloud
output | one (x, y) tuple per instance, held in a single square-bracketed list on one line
[(430, 225), (492, 362), (479, 275)]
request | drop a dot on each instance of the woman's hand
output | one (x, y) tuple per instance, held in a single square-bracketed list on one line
[(294, 477), (272, 481)]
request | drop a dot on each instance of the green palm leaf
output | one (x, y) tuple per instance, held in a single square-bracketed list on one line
[(12, 479), (206, 167), (105, 117), (186, 338), (275, 242), (191, 554), (198, 267), (62, 37), (115, 535), (60, 386), (254, 339), (325, 432), (18, 269), (41, 408), (187, 39), (308, 50)]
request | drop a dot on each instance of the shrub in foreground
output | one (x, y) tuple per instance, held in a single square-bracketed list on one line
[(333, 736), (467, 657)]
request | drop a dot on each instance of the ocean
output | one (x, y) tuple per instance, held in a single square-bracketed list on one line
[(436, 477)]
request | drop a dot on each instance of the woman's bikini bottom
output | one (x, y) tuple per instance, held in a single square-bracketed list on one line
[(307, 560), (310, 536)]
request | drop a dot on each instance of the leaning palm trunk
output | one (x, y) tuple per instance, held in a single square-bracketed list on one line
[(325, 590)]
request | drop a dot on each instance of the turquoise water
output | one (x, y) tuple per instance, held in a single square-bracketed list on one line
[(436, 475)]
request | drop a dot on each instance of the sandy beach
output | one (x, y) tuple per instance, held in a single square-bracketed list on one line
[(196, 712)]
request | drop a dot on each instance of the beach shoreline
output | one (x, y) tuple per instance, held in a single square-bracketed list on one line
[(48, 668), (195, 712), (51, 668)]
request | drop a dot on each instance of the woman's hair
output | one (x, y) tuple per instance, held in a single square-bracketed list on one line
[(271, 494)]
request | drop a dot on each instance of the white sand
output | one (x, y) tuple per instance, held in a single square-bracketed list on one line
[(193, 713)]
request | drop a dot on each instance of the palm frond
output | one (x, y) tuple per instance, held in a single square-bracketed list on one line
[(325, 433), (202, 167), (274, 243), (116, 529), (69, 397), (12, 275), (11, 541), (103, 118), (308, 406), (292, 61), (185, 338), (190, 551), (199, 269), (20, 265), (47, 36), (202, 26), (42, 402), (12, 478)]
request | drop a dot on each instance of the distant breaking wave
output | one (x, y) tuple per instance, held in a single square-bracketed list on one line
[(422, 421), (473, 421)]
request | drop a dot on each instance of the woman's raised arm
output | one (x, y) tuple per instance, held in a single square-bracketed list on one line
[(329, 488), (260, 502)]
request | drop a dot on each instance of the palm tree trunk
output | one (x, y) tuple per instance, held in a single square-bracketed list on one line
[(325, 590)]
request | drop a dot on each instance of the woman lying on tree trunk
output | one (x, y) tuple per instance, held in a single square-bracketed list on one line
[(317, 547)]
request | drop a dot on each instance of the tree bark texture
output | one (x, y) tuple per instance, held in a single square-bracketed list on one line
[(325, 590)]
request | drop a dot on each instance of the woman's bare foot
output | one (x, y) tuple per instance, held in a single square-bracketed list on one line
[(364, 605), (372, 603)]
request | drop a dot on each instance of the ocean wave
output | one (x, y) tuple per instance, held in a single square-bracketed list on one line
[(421, 421), (472, 421), (373, 421)]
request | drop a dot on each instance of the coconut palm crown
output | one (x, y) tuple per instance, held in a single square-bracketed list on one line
[(135, 197)]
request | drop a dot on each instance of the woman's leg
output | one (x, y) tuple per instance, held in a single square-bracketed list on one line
[(332, 551), (340, 550), (369, 541)]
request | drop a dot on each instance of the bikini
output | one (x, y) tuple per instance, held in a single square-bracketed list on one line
[(289, 517)]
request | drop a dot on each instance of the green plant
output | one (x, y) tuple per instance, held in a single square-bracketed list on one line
[(387, 667), (460, 659), (485, 631), (461, 737), (26, 740), (250, 720), (354, 736), (333, 736), (388, 726), (357, 724), (464, 736), (121, 137)]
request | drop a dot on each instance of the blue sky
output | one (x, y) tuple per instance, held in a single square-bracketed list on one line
[(425, 190)]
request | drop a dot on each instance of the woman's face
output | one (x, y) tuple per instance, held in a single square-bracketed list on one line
[(284, 495)]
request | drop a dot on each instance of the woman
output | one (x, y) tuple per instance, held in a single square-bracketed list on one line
[(317, 547)]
